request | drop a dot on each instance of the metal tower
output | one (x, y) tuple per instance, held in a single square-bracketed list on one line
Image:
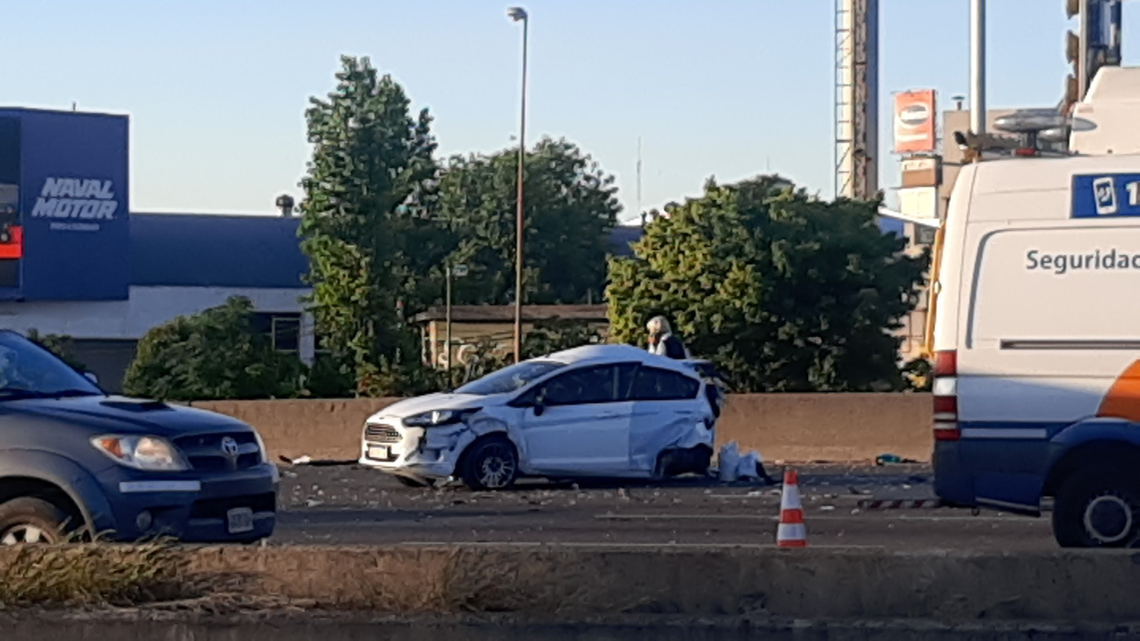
[(857, 98)]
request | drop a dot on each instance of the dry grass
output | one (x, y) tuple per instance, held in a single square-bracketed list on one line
[(94, 576)]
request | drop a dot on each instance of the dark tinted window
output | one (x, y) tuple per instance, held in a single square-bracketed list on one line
[(651, 384), (584, 386)]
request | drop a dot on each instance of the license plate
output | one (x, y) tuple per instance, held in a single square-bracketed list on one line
[(239, 520), (379, 453)]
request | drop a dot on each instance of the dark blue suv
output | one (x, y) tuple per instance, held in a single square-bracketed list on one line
[(76, 463)]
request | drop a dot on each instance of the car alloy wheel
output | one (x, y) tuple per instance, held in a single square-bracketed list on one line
[(26, 533), (497, 466)]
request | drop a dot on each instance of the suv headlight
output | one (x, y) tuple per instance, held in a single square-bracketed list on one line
[(437, 418), (149, 453)]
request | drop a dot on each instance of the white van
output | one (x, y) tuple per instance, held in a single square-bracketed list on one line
[(1037, 344)]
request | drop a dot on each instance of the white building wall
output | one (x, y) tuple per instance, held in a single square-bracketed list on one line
[(147, 307)]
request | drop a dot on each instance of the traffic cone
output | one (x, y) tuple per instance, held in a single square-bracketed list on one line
[(791, 532)]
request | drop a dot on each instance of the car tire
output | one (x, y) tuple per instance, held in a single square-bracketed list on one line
[(1097, 509), (490, 464), (31, 520)]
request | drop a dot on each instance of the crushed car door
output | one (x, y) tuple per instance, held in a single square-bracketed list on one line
[(667, 413), (579, 423)]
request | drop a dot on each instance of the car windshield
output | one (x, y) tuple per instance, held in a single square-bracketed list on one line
[(510, 378), (30, 371)]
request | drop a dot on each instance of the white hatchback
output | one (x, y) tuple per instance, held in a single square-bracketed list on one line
[(598, 411)]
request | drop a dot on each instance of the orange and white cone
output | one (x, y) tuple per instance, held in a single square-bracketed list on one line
[(791, 532)]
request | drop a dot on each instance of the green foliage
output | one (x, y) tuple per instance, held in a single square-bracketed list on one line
[(211, 355), (61, 346), (368, 228), (570, 206), (783, 291), (557, 335), (919, 375)]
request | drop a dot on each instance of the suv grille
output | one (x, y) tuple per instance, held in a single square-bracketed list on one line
[(205, 452), (381, 434), (217, 508)]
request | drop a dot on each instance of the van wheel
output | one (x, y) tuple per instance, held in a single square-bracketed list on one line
[(490, 464), (1097, 509), (28, 520)]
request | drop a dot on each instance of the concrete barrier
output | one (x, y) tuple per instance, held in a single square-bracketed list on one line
[(580, 582), (791, 427)]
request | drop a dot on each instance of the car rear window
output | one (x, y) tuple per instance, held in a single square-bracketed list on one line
[(652, 384)]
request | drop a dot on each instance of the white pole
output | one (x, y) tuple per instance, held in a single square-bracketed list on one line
[(978, 66)]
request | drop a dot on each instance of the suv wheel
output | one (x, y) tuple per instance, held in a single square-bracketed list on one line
[(30, 520), (1097, 509), (491, 464)]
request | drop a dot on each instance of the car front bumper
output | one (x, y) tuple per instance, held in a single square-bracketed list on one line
[(225, 507), (415, 452)]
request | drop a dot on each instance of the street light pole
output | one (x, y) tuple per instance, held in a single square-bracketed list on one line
[(447, 315), (518, 14)]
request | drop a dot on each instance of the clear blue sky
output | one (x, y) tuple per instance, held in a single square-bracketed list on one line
[(217, 89)]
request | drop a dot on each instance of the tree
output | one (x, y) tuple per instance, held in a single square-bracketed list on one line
[(368, 228), (570, 207), (62, 346), (783, 291), (211, 355)]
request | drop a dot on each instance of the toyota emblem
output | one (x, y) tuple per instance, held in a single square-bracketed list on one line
[(229, 447)]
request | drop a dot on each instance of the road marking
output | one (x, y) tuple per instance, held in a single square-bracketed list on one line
[(810, 516), (655, 546)]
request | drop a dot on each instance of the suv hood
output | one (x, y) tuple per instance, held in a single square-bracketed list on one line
[(439, 401), (126, 415)]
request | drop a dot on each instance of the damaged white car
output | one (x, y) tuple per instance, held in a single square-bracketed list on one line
[(598, 411)]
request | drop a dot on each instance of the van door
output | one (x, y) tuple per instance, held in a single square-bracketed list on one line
[(1051, 322)]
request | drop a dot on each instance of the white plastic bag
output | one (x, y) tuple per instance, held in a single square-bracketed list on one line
[(749, 466), (729, 463)]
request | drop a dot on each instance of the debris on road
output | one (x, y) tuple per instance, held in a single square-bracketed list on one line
[(732, 466), (892, 459), (900, 504)]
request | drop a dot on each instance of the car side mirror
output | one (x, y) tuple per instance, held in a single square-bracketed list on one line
[(91, 377)]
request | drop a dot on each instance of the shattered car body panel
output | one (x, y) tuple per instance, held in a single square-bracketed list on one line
[(609, 411)]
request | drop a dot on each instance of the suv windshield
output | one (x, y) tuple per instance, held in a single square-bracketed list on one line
[(511, 378), (30, 371)]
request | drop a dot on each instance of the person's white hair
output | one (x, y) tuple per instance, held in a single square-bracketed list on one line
[(659, 325)]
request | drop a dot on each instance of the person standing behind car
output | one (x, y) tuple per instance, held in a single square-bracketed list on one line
[(662, 341)]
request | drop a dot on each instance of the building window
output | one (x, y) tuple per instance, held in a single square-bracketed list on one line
[(286, 334), (924, 235), (283, 330)]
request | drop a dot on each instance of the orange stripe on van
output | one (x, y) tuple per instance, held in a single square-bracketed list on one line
[(1123, 398)]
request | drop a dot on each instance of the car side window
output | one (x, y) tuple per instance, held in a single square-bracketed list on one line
[(652, 384), (586, 386)]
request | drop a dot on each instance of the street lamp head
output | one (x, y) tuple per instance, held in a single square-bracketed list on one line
[(518, 14)]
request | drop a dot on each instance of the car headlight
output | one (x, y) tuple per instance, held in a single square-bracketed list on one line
[(437, 418), (150, 453)]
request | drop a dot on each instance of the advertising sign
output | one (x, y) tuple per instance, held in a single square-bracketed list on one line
[(11, 233), (1097, 196), (74, 229), (915, 122)]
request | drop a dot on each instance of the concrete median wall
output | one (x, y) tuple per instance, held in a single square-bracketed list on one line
[(790, 427)]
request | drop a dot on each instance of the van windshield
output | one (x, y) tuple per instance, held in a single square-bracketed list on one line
[(510, 378)]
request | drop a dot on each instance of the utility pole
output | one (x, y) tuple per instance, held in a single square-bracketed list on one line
[(978, 67), (518, 14)]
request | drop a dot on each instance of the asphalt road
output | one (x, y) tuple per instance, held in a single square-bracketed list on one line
[(348, 505)]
